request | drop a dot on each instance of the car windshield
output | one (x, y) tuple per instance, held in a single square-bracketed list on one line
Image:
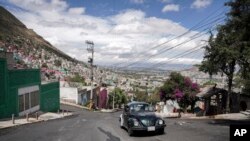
[(141, 108)]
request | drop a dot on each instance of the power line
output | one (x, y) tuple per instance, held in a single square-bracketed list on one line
[(163, 50), (167, 49), (196, 49), (173, 58), (192, 28), (196, 56)]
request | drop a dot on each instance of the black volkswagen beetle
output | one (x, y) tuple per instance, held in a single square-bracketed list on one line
[(139, 116)]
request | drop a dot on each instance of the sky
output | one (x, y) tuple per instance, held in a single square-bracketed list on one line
[(126, 33)]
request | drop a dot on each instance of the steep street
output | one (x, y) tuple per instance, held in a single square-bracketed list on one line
[(95, 126)]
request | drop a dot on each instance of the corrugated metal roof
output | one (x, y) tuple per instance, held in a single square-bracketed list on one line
[(204, 91)]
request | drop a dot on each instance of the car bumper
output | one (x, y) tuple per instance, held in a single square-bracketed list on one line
[(157, 128)]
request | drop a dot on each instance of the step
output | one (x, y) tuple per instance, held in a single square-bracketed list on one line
[(245, 113)]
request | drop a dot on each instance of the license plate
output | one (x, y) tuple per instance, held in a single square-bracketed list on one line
[(151, 128)]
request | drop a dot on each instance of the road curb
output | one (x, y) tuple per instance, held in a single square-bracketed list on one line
[(110, 111), (74, 105), (34, 122)]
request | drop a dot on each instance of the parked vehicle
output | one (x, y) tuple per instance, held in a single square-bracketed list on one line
[(140, 116)]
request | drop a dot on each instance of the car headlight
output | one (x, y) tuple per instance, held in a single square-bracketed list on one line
[(136, 123), (160, 122)]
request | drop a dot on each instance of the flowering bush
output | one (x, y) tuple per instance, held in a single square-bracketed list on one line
[(181, 88), (178, 94), (195, 87), (187, 81)]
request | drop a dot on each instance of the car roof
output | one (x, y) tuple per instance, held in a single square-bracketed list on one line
[(136, 102)]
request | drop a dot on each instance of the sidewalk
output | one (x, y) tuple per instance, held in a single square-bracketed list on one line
[(109, 110), (231, 116), (86, 108), (22, 121), (167, 115), (75, 105)]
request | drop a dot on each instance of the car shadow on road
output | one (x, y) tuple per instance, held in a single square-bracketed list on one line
[(144, 134), (147, 134), (110, 136)]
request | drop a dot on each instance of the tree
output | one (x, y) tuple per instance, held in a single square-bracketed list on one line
[(58, 63), (221, 54), (140, 95), (154, 97), (119, 97), (180, 88), (77, 78), (239, 17), (230, 47), (207, 64), (44, 65)]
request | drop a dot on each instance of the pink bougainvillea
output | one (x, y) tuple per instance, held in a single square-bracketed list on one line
[(178, 93), (195, 86)]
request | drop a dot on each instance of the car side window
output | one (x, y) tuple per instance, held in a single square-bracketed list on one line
[(132, 109)]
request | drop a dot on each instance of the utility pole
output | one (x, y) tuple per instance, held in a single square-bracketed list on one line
[(116, 82), (114, 100), (90, 49)]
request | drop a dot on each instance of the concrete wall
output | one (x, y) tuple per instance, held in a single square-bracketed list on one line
[(69, 94), (78, 95)]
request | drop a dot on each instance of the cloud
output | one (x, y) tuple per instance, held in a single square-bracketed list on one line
[(165, 1), (40, 5), (171, 7), (197, 4), (118, 38), (137, 1), (77, 10)]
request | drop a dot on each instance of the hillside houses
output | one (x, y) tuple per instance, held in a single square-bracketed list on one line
[(201, 77)]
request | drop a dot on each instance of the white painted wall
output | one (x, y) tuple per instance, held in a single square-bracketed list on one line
[(29, 89), (70, 94)]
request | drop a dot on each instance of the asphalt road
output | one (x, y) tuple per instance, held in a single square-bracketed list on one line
[(95, 126)]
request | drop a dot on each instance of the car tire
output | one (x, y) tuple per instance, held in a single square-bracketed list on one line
[(161, 131), (130, 132)]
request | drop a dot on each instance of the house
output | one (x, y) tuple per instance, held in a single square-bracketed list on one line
[(103, 98), (77, 94), (214, 101), (21, 91)]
